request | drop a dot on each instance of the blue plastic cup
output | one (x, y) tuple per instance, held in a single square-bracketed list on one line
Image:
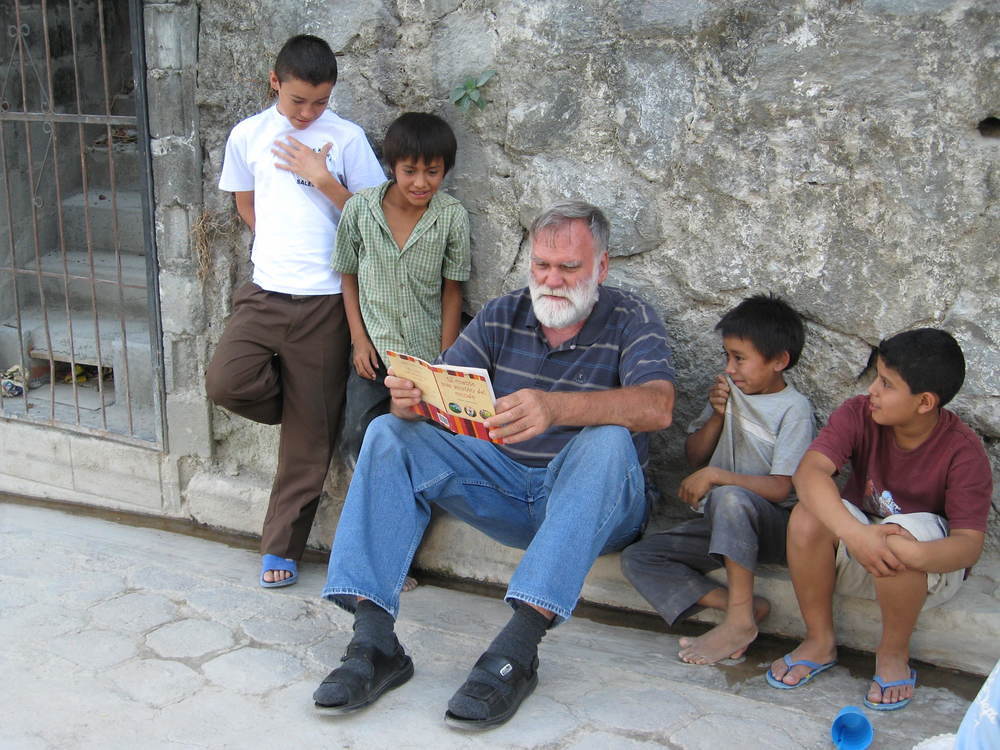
[(851, 729)]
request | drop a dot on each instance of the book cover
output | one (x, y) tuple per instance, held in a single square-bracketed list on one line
[(458, 398)]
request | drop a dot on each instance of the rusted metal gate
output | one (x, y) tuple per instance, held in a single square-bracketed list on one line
[(79, 323)]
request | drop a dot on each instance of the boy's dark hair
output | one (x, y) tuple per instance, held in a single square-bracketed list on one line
[(769, 323), (929, 360), (419, 135), (307, 58)]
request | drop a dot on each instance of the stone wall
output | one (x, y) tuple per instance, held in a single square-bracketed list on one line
[(838, 153)]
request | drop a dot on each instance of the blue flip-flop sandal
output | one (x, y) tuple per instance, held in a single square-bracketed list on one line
[(895, 683), (814, 667), (273, 562)]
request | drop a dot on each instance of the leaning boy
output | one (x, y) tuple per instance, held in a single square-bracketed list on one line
[(403, 253), (748, 441), (282, 358), (912, 518)]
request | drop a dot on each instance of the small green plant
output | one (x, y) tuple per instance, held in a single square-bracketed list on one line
[(470, 92)]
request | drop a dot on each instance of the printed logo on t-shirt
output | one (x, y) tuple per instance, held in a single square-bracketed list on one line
[(878, 503), (329, 165)]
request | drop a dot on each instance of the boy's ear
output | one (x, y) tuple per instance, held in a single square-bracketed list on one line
[(927, 402), (275, 81), (780, 362)]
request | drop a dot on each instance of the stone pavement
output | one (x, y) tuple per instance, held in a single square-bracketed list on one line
[(120, 636)]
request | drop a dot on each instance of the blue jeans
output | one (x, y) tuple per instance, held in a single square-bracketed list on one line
[(588, 501)]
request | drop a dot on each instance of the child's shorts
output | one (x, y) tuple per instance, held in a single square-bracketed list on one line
[(854, 580)]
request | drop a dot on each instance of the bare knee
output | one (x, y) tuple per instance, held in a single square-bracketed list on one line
[(806, 530)]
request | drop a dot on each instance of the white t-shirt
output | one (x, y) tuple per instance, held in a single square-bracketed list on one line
[(762, 435), (296, 225)]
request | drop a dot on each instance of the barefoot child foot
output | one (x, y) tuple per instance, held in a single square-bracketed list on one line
[(724, 641), (761, 609)]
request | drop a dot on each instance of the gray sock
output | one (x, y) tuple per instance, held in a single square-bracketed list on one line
[(518, 642), (373, 625)]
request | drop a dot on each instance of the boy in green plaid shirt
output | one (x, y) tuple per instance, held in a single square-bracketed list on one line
[(403, 253)]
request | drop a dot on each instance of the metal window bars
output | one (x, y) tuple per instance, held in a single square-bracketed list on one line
[(78, 318)]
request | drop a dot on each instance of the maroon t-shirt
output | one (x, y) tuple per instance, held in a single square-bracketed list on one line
[(948, 474)]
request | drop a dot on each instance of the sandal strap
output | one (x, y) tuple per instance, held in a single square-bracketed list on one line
[(911, 680)]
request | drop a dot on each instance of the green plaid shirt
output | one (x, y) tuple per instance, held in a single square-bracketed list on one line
[(400, 290)]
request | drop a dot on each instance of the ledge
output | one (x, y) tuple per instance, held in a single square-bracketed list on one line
[(961, 634)]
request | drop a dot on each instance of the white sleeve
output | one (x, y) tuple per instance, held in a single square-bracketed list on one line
[(236, 175), (361, 167)]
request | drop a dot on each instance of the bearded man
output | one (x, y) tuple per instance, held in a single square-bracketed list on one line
[(582, 373)]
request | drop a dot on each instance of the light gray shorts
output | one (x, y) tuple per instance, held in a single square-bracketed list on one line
[(854, 580)]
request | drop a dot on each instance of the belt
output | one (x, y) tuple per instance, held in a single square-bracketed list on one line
[(294, 297)]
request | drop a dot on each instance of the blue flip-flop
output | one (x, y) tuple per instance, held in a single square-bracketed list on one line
[(815, 669), (273, 562), (895, 683)]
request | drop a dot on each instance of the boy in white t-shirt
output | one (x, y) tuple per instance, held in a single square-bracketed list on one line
[(283, 357), (745, 445)]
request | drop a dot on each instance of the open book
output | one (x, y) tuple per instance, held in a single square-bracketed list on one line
[(459, 398)]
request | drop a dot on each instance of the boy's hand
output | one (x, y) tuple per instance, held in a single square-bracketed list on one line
[(868, 546), (718, 394), (295, 156), (522, 415), (404, 396), (365, 359), (696, 486)]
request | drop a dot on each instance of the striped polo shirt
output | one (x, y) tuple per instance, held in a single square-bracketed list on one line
[(622, 343)]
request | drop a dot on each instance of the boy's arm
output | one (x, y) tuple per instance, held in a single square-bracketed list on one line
[(244, 207), (773, 487), (818, 494), (365, 357), (960, 549), (451, 312), (701, 443)]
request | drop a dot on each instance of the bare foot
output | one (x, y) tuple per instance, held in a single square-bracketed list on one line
[(409, 584), (272, 576), (761, 609), (891, 667), (820, 653), (724, 641)]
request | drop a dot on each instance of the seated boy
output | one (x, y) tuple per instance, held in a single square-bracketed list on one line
[(913, 518), (403, 253), (751, 437)]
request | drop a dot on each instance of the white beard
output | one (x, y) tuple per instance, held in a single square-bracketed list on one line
[(575, 305)]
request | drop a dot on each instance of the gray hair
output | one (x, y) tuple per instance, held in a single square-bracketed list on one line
[(560, 214)]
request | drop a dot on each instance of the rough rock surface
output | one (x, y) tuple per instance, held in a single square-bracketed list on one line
[(827, 151)]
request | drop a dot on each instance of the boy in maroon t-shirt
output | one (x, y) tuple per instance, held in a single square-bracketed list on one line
[(913, 517)]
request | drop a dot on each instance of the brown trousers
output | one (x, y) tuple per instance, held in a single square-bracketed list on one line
[(283, 359)]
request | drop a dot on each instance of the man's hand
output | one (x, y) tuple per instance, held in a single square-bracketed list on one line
[(522, 415), (404, 396), (718, 395), (365, 359), (295, 156), (867, 544), (696, 486)]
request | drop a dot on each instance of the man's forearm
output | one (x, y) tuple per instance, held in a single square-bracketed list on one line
[(639, 408)]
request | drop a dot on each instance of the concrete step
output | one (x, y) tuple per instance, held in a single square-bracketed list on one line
[(86, 278), (961, 634), (102, 208), (123, 152)]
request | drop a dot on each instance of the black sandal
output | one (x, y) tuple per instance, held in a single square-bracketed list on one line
[(388, 672), (501, 705)]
